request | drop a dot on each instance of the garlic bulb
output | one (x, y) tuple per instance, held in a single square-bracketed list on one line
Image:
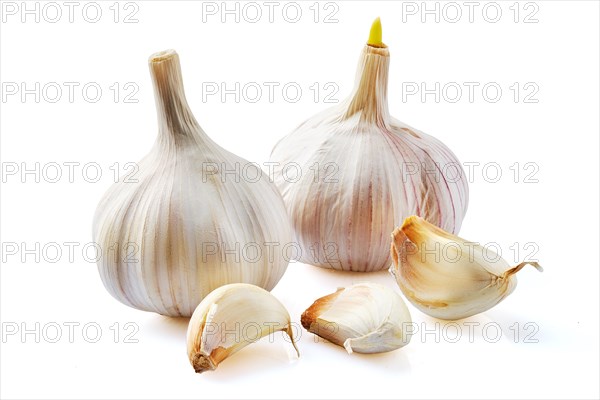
[(188, 225), (445, 276), (229, 319), (362, 173), (364, 318)]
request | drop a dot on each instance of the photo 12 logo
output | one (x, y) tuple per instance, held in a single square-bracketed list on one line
[(69, 92), (69, 332), (470, 92), (252, 12), (472, 331), (53, 12), (270, 92), (453, 12), (68, 172)]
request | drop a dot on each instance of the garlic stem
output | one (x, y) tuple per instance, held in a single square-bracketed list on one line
[(370, 94), (175, 118)]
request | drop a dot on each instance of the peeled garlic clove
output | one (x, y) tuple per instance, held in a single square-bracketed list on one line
[(362, 173), (187, 223), (445, 276), (221, 323), (364, 318)]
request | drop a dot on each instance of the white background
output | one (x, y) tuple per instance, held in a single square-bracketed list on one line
[(559, 213)]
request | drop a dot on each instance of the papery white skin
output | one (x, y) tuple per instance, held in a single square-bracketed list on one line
[(374, 171), (445, 276), (228, 320), (363, 318), (178, 233)]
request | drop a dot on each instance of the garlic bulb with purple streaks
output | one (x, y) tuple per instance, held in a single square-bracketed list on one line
[(373, 171)]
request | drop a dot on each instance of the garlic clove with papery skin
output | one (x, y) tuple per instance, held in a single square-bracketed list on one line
[(445, 276), (180, 229), (362, 173), (230, 318), (363, 318)]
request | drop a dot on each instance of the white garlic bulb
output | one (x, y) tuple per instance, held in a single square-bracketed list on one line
[(230, 318), (445, 276), (188, 225), (373, 171), (363, 318)]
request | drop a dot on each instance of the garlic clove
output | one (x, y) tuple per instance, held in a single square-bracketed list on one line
[(445, 276), (230, 318), (363, 318), (183, 228), (363, 172)]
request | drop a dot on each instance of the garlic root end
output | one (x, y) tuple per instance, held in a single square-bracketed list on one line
[(202, 363)]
